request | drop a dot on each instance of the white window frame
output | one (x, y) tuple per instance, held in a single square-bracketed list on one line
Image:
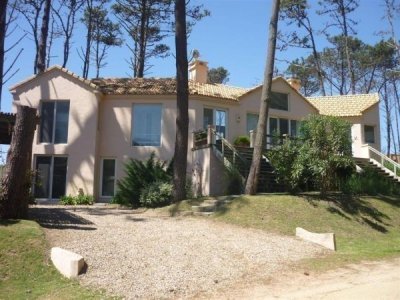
[(214, 109), (53, 134), (161, 124), (101, 176), (51, 176)]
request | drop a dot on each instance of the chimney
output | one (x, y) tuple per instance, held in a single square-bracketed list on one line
[(198, 69), (295, 83)]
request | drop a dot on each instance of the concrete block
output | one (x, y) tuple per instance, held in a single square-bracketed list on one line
[(326, 240), (67, 263)]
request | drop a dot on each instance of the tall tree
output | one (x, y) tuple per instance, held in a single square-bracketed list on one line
[(303, 69), (339, 11), (218, 75), (3, 16), (31, 10), (66, 13), (182, 102), (15, 186), (148, 23), (296, 12), (105, 34), (252, 179), (44, 31)]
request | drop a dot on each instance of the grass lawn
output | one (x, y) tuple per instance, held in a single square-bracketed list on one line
[(366, 228), (26, 272)]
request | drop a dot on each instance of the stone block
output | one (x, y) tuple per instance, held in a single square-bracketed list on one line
[(326, 240), (67, 263)]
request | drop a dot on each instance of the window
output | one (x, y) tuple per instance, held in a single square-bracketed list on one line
[(252, 121), (217, 117), (51, 177), (279, 101), (54, 122), (108, 177), (294, 127), (369, 134), (146, 125)]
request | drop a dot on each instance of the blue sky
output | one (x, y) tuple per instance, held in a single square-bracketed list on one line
[(234, 36)]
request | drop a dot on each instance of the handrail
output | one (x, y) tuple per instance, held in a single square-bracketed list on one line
[(383, 158), (230, 146)]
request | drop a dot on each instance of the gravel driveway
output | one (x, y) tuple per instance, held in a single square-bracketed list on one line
[(139, 255)]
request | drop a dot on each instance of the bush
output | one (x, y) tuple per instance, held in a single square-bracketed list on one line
[(242, 141), (156, 194), (81, 199), (139, 175), (322, 156), (371, 183), (234, 179)]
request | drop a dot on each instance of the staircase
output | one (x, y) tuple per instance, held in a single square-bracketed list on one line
[(241, 158), (377, 167)]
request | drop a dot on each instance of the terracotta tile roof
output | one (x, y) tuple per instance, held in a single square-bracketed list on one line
[(164, 86), (344, 105)]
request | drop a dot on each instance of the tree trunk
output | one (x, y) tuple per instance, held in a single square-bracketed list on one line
[(41, 62), (3, 16), (252, 179), (182, 102), (86, 60), (142, 40), (347, 50), (16, 184)]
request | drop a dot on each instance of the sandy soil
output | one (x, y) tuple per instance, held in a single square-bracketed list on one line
[(368, 280)]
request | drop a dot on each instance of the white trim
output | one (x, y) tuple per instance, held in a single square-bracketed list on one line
[(101, 176), (214, 120)]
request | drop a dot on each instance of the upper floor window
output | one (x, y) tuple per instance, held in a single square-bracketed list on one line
[(279, 101), (54, 122), (369, 134), (146, 125)]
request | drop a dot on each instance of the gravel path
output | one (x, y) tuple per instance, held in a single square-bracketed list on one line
[(138, 255)]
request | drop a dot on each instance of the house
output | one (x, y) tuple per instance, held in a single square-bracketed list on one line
[(90, 128)]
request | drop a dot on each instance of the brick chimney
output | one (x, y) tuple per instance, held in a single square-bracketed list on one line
[(295, 83), (198, 69)]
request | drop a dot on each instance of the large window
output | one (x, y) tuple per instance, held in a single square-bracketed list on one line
[(51, 174), (54, 122), (369, 134), (146, 124), (108, 177), (279, 101), (217, 117)]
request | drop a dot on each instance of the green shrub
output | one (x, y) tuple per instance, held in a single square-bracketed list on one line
[(81, 199), (140, 174), (156, 194), (369, 182), (235, 185), (242, 141), (321, 156)]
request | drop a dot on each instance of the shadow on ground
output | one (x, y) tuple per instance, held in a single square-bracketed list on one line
[(59, 218), (354, 207)]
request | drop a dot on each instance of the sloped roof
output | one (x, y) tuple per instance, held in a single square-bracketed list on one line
[(164, 86), (344, 105), (55, 67)]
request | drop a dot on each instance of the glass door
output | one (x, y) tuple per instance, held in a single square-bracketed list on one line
[(51, 176)]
